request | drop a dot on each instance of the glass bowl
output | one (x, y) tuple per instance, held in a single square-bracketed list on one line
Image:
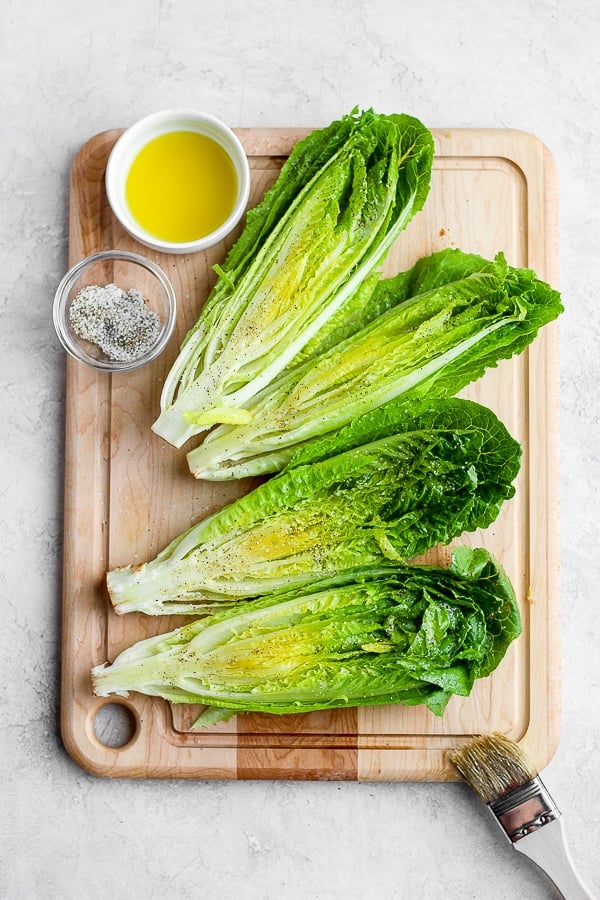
[(160, 124), (136, 331)]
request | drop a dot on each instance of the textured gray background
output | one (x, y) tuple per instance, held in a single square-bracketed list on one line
[(72, 68)]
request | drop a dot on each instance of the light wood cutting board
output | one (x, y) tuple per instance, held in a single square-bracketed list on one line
[(128, 493)]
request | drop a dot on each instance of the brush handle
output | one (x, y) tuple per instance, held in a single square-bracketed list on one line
[(547, 847)]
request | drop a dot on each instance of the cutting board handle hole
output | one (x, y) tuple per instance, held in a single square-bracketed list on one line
[(115, 725)]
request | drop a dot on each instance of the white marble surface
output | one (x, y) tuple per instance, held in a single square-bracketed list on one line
[(72, 68)]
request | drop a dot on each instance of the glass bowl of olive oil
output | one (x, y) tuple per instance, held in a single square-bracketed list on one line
[(178, 181)]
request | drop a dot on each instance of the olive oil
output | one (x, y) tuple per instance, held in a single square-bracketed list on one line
[(181, 186)]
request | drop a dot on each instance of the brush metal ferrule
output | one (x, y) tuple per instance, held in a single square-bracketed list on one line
[(524, 809)]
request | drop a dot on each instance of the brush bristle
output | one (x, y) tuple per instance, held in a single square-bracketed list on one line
[(493, 765)]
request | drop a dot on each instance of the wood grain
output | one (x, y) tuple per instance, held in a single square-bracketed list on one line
[(127, 493)]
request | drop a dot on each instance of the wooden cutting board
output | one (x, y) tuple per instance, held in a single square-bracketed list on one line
[(127, 493)]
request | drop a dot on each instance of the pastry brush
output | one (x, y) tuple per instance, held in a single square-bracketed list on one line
[(499, 771)]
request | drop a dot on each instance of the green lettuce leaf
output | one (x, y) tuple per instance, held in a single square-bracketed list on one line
[(410, 635), (408, 477), (307, 250), (425, 333)]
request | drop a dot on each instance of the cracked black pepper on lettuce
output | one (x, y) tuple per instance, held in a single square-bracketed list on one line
[(313, 243), (396, 482), (410, 635)]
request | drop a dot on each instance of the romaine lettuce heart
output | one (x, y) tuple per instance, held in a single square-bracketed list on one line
[(408, 634), (307, 250), (428, 332), (394, 484)]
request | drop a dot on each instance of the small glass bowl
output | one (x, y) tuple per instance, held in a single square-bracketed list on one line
[(129, 271)]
